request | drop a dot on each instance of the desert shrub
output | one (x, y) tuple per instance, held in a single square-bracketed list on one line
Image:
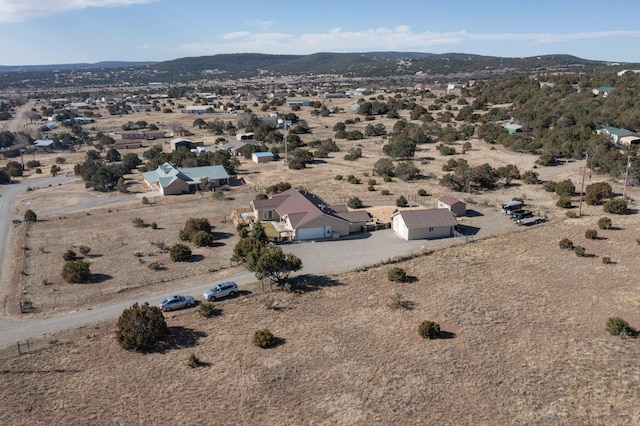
[(76, 271), (396, 301), (338, 177), (69, 255), (606, 260), (263, 338), (154, 225), (591, 234), (194, 225), (530, 177), (193, 361), (155, 266), (384, 192), (604, 223), (566, 244), (30, 216), (615, 206), (571, 214), (564, 188), (401, 201), (387, 178), (202, 239), (372, 182), (616, 326), (354, 180), (564, 203), (397, 274), (207, 310), (138, 222), (422, 192), (597, 192), (145, 200), (141, 327), (354, 203), (60, 160), (579, 251), (84, 250), (179, 253), (429, 330), (371, 188)]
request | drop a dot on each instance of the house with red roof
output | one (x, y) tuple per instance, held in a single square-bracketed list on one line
[(300, 215)]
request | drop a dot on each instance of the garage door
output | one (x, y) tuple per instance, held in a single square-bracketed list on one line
[(311, 233)]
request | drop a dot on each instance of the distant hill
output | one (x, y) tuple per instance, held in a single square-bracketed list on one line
[(78, 66), (247, 65), (370, 64)]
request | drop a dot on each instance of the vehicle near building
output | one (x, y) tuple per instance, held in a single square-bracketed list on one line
[(510, 206), (177, 302), (228, 288)]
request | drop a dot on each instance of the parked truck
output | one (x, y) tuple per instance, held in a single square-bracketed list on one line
[(510, 206)]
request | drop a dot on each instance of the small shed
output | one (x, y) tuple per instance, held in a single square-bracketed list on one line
[(423, 224), (178, 142), (455, 206), (262, 157)]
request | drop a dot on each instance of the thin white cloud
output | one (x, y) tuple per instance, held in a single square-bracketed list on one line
[(400, 38), (24, 10), (261, 25)]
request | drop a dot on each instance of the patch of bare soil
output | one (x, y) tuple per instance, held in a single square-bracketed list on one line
[(525, 344)]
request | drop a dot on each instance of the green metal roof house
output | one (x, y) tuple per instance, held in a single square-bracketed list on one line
[(512, 128), (170, 180)]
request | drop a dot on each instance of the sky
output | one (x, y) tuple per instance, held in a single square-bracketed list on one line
[(38, 32)]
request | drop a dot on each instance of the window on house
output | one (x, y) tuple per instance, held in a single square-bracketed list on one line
[(430, 229)]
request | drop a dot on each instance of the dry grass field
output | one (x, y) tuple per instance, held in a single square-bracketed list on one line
[(524, 320), (527, 346)]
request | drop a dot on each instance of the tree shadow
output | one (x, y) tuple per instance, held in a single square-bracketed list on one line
[(99, 278), (310, 282), (93, 256), (446, 335), (195, 258), (222, 235), (182, 337), (410, 279)]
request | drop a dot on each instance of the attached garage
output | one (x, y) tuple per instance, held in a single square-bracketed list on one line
[(311, 233)]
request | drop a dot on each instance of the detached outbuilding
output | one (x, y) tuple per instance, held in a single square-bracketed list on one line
[(262, 157), (423, 224), (455, 206)]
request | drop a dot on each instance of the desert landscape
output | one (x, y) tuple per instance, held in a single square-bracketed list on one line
[(523, 321)]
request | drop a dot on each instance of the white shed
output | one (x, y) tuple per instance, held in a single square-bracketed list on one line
[(423, 224)]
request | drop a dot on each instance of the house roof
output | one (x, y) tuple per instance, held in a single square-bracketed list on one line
[(166, 174), (427, 218), (512, 126), (615, 131), (302, 207), (263, 154), (450, 201), (605, 89), (43, 143)]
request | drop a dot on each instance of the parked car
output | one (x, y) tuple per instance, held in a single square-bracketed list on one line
[(521, 214), (177, 302), (228, 288)]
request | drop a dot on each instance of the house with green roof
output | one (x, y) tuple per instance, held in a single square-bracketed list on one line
[(170, 180), (620, 136), (603, 90), (512, 128)]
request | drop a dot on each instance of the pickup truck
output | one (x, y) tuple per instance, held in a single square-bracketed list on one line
[(528, 221)]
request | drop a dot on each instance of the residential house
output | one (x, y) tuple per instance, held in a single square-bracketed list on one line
[(423, 223), (604, 91), (178, 142), (301, 215), (170, 180), (512, 128), (455, 206), (620, 136)]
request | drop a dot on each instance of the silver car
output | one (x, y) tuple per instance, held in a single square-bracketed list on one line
[(228, 288), (177, 302)]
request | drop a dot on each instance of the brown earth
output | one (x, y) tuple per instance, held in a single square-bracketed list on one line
[(526, 319), (526, 345)]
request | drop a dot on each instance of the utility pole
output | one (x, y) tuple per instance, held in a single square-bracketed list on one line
[(287, 124), (584, 172), (626, 178)]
